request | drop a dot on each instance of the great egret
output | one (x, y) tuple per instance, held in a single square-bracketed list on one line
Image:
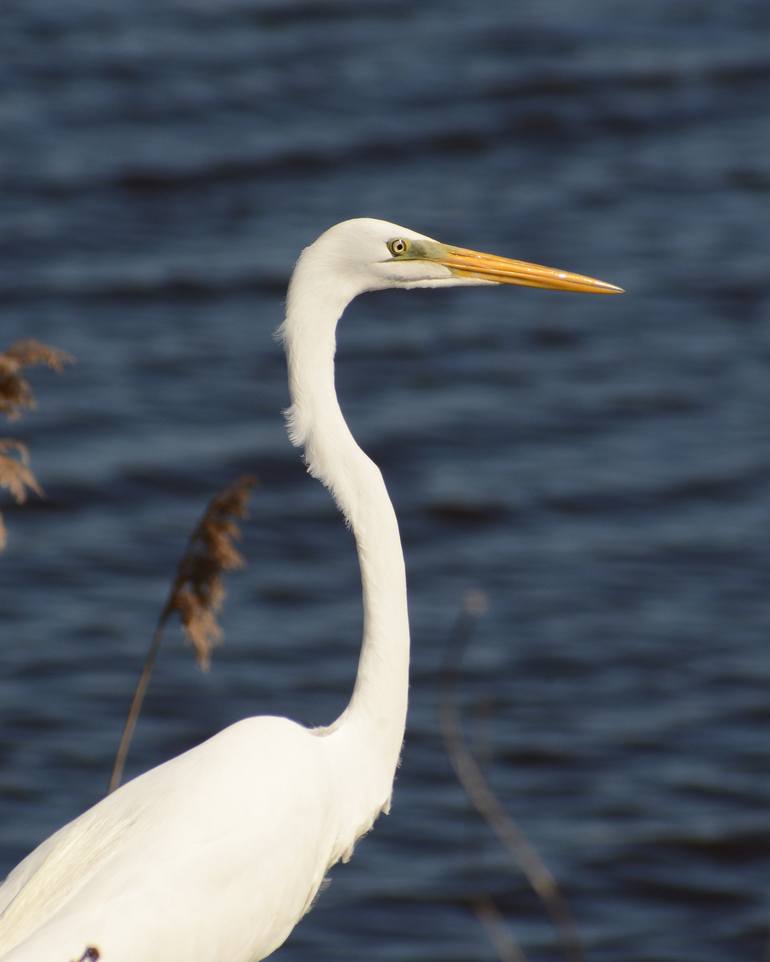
[(215, 855)]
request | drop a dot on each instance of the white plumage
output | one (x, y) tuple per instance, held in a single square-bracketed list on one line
[(215, 855)]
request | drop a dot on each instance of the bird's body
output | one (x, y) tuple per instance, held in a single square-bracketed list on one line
[(216, 854), (189, 861)]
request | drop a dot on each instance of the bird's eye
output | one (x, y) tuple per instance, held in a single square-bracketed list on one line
[(398, 246)]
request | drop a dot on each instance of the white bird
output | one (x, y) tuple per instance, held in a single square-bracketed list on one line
[(216, 854)]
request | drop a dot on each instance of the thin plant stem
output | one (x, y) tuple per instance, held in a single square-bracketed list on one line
[(508, 950), (196, 594), (136, 706), (480, 792)]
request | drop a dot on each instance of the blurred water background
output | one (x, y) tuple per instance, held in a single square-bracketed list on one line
[(600, 467)]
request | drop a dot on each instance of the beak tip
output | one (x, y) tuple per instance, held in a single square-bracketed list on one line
[(604, 287)]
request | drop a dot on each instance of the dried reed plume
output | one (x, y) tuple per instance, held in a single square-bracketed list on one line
[(15, 393), (15, 476), (196, 595), (15, 396), (488, 805)]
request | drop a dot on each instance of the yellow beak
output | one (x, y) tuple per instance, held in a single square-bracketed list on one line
[(502, 270)]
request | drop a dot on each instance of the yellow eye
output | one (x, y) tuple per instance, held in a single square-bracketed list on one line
[(398, 246)]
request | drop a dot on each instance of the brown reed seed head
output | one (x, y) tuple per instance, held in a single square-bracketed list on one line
[(15, 392), (15, 473), (15, 396), (15, 476), (198, 590)]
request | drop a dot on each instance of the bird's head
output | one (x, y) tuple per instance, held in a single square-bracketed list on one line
[(369, 255)]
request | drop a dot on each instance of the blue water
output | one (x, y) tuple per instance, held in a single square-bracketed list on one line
[(600, 468)]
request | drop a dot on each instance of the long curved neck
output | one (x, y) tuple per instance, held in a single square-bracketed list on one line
[(377, 709)]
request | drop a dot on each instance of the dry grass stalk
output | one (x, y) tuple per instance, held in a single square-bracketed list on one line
[(503, 942), (488, 805), (15, 392), (15, 476), (196, 595)]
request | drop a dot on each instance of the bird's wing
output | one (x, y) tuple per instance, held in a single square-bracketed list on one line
[(216, 853)]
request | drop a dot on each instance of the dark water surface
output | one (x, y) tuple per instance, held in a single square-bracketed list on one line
[(599, 467)]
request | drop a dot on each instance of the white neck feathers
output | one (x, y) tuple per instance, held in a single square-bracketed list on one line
[(377, 709)]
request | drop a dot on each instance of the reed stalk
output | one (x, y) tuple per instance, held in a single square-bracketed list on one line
[(483, 798), (196, 595)]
